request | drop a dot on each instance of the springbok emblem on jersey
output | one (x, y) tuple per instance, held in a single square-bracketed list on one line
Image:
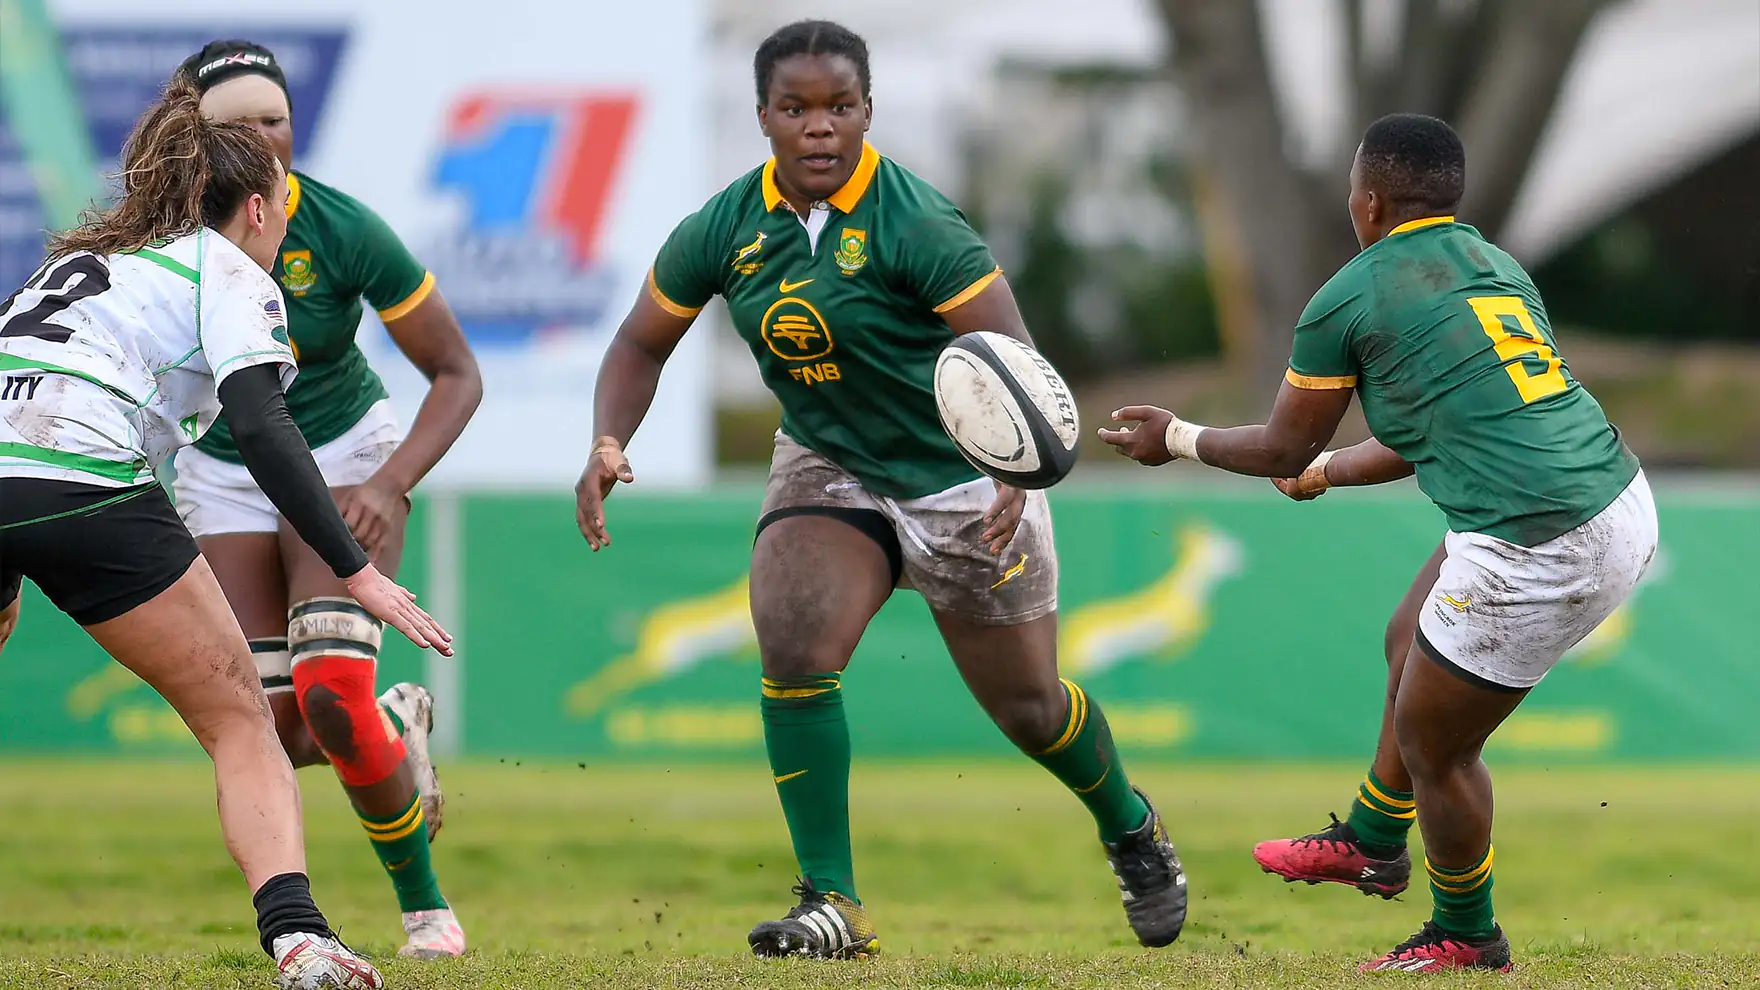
[(852, 250), (741, 263), (296, 272), (1161, 621)]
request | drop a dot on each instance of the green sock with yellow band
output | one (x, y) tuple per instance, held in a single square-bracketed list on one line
[(807, 738), (401, 842), (1381, 816), (1462, 898), (1085, 760)]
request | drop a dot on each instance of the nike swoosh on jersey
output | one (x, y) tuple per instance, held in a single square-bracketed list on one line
[(788, 286), (785, 778)]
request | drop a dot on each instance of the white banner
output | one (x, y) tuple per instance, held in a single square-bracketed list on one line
[(533, 155)]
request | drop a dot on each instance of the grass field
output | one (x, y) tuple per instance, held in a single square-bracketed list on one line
[(985, 875)]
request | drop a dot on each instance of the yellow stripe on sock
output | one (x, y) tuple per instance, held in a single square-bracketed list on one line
[(1370, 801), (829, 681), (770, 692), (774, 688), (1463, 874), (398, 824), (1462, 882), (1449, 888), (1078, 719), (403, 833), (1370, 789), (418, 825)]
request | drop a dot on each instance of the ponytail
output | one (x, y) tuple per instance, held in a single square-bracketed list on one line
[(180, 171)]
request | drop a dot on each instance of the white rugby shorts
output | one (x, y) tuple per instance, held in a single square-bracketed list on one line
[(1505, 614), (216, 496), (939, 537)]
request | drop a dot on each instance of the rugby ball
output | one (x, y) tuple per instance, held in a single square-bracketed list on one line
[(1007, 409)]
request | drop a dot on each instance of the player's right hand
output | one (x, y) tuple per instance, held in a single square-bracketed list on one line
[(606, 466), (1310, 484), (1293, 488), (394, 604)]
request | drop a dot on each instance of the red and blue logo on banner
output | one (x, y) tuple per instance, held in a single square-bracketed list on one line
[(535, 175)]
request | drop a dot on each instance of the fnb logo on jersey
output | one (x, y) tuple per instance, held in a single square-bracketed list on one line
[(536, 175)]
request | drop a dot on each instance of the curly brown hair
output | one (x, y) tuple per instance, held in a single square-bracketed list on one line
[(180, 171)]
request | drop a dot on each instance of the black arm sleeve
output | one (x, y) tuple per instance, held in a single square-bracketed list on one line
[(275, 453)]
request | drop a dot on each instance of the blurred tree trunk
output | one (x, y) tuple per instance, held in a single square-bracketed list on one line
[(1492, 68), (1266, 213)]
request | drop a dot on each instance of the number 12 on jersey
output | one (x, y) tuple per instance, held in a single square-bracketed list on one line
[(1513, 347), (59, 289)]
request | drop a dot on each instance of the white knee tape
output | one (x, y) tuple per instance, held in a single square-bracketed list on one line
[(332, 627), (274, 663)]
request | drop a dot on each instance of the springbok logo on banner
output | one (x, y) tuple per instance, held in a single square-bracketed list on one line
[(536, 173)]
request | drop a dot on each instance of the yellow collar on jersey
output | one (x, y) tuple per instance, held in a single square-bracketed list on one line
[(292, 195), (1419, 224), (844, 199)]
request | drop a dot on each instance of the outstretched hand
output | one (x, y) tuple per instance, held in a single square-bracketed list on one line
[(396, 606), (606, 466), (1145, 443)]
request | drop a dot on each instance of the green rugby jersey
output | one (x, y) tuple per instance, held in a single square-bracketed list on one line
[(336, 252), (1447, 343), (846, 322)]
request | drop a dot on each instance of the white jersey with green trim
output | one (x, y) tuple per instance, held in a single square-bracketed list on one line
[(109, 364)]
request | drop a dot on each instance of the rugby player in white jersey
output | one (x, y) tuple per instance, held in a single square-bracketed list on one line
[(146, 324)]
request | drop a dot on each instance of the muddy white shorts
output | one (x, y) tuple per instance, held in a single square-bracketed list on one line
[(934, 543), (1502, 615), (216, 496)]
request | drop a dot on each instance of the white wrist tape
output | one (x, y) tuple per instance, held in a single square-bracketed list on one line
[(1182, 439), (1314, 478)]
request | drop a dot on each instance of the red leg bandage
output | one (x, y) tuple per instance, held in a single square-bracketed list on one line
[(336, 698), (334, 644)]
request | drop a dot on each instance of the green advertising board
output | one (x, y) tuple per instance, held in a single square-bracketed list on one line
[(1218, 624)]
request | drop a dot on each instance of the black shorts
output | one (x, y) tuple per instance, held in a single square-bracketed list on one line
[(95, 552)]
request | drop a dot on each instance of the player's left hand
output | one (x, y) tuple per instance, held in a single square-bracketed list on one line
[(1004, 517), (373, 510), (1145, 443), (395, 605)]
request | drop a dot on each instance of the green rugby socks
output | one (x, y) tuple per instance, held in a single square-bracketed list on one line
[(1462, 898), (1381, 816), (807, 738), (1085, 760), (401, 842)]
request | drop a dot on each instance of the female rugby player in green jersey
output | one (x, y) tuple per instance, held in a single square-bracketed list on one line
[(314, 650), (1445, 341), (866, 491)]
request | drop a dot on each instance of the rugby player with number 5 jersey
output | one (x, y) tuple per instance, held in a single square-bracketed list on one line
[(1443, 338)]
